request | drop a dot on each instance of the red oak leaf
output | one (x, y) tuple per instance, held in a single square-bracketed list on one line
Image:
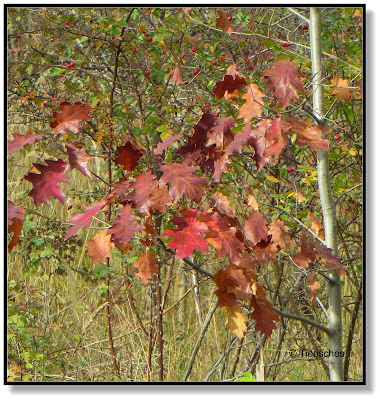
[(120, 188), (182, 181), (223, 22), (221, 204), (78, 159), (143, 187), (100, 246), (309, 134), (256, 227), (16, 218), (220, 134), (147, 266), (68, 117), (260, 143), (166, 143), (331, 261), (284, 82), (264, 315), (222, 237), (187, 236), (129, 155), (239, 140), (124, 227), (305, 254), (84, 220), (46, 183), (277, 139), (20, 141), (253, 104), (232, 81), (265, 250)]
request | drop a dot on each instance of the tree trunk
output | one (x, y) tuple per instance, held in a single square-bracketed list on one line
[(328, 205)]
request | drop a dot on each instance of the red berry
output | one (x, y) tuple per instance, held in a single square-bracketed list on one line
[(213, 62), (72, 64), (68, 65), (290, 170), (207, 105), (174, 107), (285, 45), (337, 137), (229, 17), (196, 71), (250, 67), (247, 60), (216, 115), (193, 49), (70, 207), (19, 36), (159, 114), (245, 201), (147, 72), (304, 27), (348, 30), (133, 50), (148, 9), (67, 22), (150, 38), (112, 37), (140, 29)]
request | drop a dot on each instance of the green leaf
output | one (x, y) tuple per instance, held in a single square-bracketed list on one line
[(56, 71)]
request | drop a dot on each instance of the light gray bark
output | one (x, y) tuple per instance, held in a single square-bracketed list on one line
[(328, 205)]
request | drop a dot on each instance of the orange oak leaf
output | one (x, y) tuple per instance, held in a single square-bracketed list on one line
[(187, 236), (314, 286), (69, 116), (46, 183), (84, 220), (176, 77), (231, 82), (147, 265), (253, 104), (256, 227), (20, 141), (279, 236), (182, 181), (305, 254), (264, 315), (276, 137), (332, 262), (129, 156), (284, 82), (309, 134), (316, 226), (236, 321), (124, 227), (221, 204), (223, 22), (160, 198), (341, 89), (16, 218), (239, 140), (166, 143), (99, 247), (78, 159), (265, 250), (259, 141), (222, 237)]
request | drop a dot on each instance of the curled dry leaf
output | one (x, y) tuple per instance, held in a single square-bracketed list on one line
[(79, 159), (232, 81), (223, 22), (341, 89), (314, 286), (16, 218)]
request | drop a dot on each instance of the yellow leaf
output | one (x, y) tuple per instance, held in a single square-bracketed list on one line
[(236, 321), (161, 42), (272, 178)]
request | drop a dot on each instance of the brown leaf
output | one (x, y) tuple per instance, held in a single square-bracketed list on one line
[(341, 90), (16, 218), (316, 226), (223, 22), (253, 104), (277, 139), (232, 81), (147, 266), (236, 321), (256, 227), (129, 156), (260, 143), (279, 236), (264, 315), (221, 204), (100, 246), (284, 82), (176, 77), (20, 141), (331, 261), (160, 198), (309, 134), (220, 134), (68, 117), (314, 286), (305, 253), (166, 143)]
